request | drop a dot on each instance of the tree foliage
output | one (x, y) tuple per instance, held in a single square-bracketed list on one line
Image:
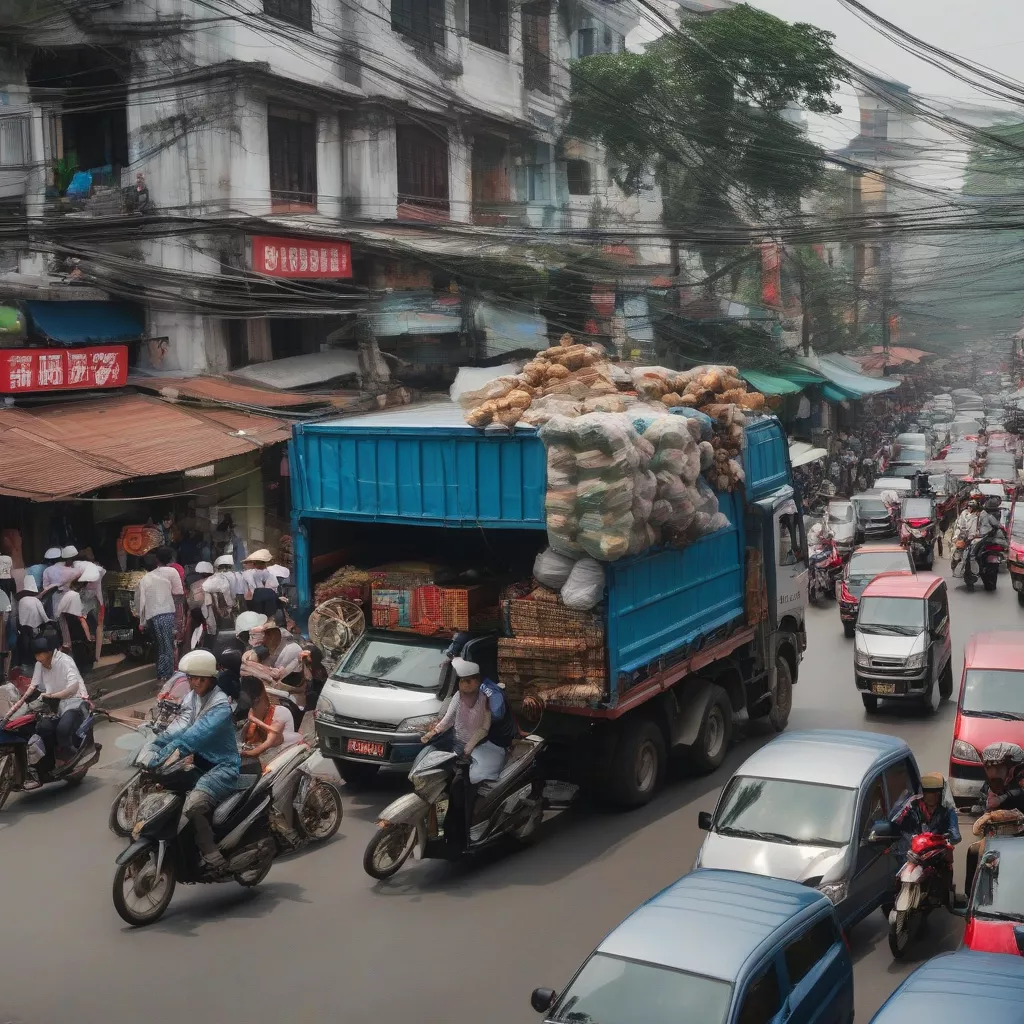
[(705, 108)]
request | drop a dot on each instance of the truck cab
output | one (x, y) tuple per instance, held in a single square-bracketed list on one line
[(384, 695)]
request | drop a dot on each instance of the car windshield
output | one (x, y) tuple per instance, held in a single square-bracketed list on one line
[(872, 507), (1017, 529), (610, 990), (999, 891), (784, 811), (899, 615), (840, 512), (917, 508), (871, 563), (993, 691), (386, 661)]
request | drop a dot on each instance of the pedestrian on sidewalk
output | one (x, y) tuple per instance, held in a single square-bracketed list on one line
[(31, 618), (156, 608)]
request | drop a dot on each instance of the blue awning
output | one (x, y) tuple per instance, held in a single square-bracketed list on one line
[(768, 384), (858, 385), (86, 323)]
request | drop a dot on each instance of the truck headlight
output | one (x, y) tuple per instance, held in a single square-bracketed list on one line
[(963, 751), (916, 661), (835, 891), (862, 659), (324, 709), (420, 724)]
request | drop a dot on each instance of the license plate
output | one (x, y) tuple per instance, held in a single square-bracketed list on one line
[(366, 748), (883, 688), (120, 634)]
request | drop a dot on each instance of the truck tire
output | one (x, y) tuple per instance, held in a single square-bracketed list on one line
[(870, 702), (782, 699), (849, 629), (712, 743), (638, 764)]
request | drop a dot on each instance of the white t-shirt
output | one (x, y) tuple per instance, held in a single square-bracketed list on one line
[(70, 604), (257, 579), (31, 611), (283, 718), (62, 673)]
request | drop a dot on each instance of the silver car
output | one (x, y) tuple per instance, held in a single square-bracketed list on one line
[(804, 808)]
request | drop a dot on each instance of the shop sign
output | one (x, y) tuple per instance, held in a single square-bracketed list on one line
[(300, 258), (24, 370)]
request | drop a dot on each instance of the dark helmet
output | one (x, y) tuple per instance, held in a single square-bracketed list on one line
[(992, 503), (230, 660), (46, 641)]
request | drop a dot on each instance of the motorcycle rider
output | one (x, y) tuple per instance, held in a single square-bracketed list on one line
[(933, 811), (210, 736), (1003, 790)]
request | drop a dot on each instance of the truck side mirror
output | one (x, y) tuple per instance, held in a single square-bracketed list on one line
[(704, 821), (882, 833), (542, 999)]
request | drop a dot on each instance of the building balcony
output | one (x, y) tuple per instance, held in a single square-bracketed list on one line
[(499, 214)]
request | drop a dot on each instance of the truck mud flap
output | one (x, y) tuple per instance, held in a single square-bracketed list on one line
[(693, 706)]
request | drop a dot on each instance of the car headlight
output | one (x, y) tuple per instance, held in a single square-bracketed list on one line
[(420, 724), (916, 661), (324, 709), (862, 658), (835, 891), (963, 751)]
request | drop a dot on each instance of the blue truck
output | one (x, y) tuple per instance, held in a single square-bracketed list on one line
[(695, 639)]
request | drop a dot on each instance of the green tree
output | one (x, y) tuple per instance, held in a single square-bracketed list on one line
[(705, 108)]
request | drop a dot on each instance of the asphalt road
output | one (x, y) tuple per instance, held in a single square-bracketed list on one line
[(320, 940)]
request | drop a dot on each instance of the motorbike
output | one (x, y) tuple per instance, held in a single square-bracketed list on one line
[(18, 744), (918, 537), (979, 559), (826, 569), (925, 884), (163, 849), (510, 807)]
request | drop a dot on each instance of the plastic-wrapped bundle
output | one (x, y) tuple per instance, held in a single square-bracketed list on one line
[(584, 587), (543, 409), (668, 432), (645, 485), (661, 512), (593, 463), (606, 545), (670, 487), (557, 431), (707, 456), (691, 465), (608, 432), (552, 569), (614, 496), (669, 460), (705, 499), (695, 416)]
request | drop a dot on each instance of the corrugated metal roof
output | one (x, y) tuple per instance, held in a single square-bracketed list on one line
[(57, 451), (216, 389)]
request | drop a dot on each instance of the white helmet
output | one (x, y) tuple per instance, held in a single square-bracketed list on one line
[(198, 663), (225, 562), (69, 552), (89, 573), (204, 568), (52, 554), (249, 620)]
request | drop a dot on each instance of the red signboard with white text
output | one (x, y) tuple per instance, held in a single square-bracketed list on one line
[(301, 258), (25, 370)]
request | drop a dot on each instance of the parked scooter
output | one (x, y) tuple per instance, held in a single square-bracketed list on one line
[(17, 748), (511, 807), (925, 884), (164, 849)]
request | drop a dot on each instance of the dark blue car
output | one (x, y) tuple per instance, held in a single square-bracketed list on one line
[(719, 947), (964, 985)]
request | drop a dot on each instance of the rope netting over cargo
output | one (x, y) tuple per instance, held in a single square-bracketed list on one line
[(634, 455)]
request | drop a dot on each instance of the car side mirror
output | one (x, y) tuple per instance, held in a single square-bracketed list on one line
[(704, 821), (542, 999), (882, 833)]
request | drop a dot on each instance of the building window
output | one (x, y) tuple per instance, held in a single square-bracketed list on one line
[(298, 12), (537, 46), (420, 20), (422, 170), (578, 175), (291, 135), (874, 124), (488, 23), (586, 42)]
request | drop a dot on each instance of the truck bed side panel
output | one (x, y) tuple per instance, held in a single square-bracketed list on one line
[(663, 600), (428, 478), (766, 459)]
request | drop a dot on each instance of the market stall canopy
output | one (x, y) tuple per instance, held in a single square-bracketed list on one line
[(768, 384), (58, 451), (801, 453), (840, 373), (509, 329), (302, 371), (85, 323), (209, 390)]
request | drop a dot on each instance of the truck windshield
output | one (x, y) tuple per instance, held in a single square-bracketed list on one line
[(785, 811), (613, 991), (378, 660), (902, 616)]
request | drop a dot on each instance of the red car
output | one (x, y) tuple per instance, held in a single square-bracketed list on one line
[(995, 913), (990, 708)]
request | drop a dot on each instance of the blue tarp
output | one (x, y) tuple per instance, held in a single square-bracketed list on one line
[(86, 323), (857, 384), (416, 312)]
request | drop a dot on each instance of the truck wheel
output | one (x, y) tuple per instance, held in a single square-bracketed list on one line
[(638, 764), (782, 699), (870, 702), (849, 628), (1020, 598), (712, 743)]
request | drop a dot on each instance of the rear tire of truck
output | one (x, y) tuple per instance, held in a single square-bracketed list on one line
[(849, 628), (712, 743), (638, 765), (870, 702), (782, 698)]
